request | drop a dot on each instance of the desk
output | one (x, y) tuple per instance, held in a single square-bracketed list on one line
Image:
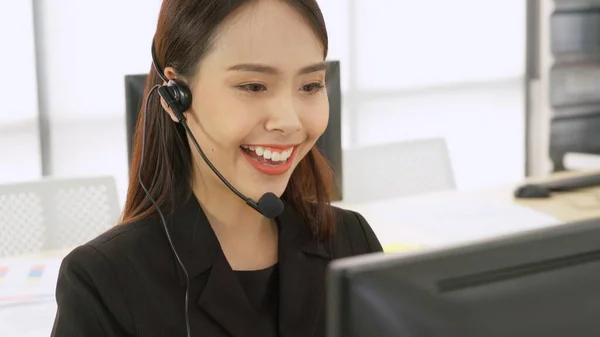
[(566, 206), (494, 211)]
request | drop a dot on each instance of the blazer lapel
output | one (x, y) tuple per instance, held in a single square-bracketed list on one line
[(213, 284), (303, 263), (225, 301)]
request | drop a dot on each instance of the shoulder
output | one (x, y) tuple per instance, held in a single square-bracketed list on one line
[(90, 292), (353, 234), (125, 235), (104, 266), (118, 243)]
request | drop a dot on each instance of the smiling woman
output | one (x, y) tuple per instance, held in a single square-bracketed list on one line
[(240, 82), (252, 76)]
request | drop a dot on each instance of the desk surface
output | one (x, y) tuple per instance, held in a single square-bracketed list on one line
[(391, 221), (566, 206)]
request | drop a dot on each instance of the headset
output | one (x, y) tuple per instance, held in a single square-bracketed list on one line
[(178, 97)]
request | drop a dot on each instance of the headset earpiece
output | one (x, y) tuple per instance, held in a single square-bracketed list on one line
[(176, 93), (178, 97), (181, 93)]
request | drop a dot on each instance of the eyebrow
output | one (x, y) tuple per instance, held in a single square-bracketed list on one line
[(261, 68)]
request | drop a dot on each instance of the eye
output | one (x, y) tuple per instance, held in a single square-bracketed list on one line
[(253, 87), (313, 87)]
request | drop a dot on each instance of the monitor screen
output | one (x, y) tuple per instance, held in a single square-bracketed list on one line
[(544, 283), (330, 142)]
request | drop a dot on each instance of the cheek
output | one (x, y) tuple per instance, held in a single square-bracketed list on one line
[(224, 123), (219, 120), (316, 121), (314, 124)]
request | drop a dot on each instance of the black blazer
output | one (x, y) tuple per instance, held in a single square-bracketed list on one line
[(126, 282)]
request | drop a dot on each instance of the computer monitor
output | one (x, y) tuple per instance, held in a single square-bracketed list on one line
[(544, 283), (134, 92), (330, 142)]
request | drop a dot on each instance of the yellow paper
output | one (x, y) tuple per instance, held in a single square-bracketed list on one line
[(400, 248)]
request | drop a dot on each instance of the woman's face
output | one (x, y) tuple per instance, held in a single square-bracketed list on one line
[(259, 99)]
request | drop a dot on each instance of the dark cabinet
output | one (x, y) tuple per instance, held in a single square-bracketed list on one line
[(574, 87)]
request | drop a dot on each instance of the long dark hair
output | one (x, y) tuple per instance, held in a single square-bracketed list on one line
[(184, 34)]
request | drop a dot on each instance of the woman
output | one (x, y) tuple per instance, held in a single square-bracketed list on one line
[(255, 72)]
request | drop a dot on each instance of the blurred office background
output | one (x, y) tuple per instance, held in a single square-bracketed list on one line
[(437, 96), (410, 70)]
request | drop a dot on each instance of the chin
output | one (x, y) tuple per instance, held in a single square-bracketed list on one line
[(276, 188)]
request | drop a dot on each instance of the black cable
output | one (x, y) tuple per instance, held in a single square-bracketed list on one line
[(162, 218), (212, 167)]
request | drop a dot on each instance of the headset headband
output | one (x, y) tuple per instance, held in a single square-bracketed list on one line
[(156, 66)]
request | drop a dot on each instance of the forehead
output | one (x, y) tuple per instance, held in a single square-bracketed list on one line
[(270, 32)]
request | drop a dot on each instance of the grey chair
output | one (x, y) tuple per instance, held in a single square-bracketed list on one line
[(53, 214), (396, 169)]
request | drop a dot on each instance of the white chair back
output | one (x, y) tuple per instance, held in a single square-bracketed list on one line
[(396, 169), (52, 214)]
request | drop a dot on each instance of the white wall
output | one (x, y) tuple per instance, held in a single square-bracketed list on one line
[(419, 69), (18, 87), (483, 126), (88, 48), (19, 144), (405, 44)]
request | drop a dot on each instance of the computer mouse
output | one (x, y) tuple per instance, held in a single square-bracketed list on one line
[(531, 191)]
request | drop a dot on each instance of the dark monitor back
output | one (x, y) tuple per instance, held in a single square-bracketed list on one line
[(134, 92), (545, 283), (330, 142)]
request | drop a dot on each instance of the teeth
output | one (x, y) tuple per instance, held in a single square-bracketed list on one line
[(284, 156), (280, 156), (267, 154)]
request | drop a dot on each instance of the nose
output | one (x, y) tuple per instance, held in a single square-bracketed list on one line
[(284, 116)]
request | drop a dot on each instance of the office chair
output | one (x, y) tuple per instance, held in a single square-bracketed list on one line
[(396, 169), (52, 214)]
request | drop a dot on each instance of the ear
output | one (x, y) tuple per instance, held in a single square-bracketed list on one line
[(170, 74)]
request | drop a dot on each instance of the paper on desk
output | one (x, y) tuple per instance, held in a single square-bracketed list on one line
[(422, 223), (27, 320), (396, 247), (28, 279)]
